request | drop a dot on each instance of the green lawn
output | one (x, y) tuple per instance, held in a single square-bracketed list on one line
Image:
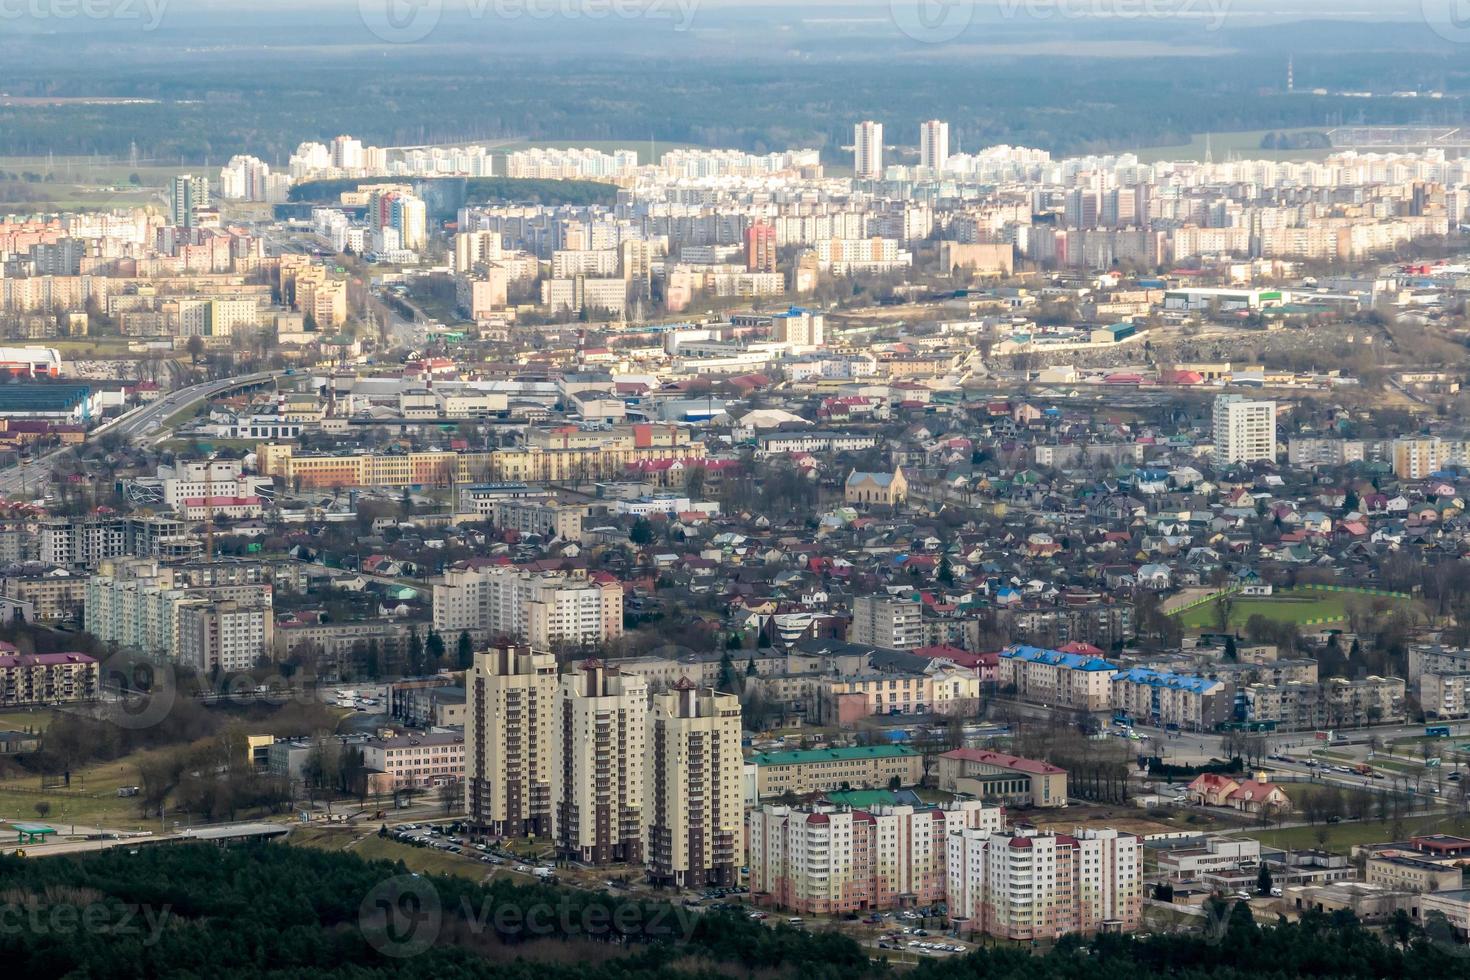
[(187, 445), (1245, 145), (25, 721), (1285, 607), (1299, 606), (95, 347), (91, 799), (1341, 837), (79, 183), (363, 840)]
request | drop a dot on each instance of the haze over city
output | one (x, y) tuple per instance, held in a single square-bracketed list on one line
[(669, 489)]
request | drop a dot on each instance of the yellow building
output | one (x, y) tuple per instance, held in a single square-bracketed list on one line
[(567, 452), (433, 468), (695, 826), (889, 489), (509, 725), (826, 770)]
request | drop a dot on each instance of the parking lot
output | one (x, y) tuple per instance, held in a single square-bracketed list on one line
[(916, 931), (446, 837)]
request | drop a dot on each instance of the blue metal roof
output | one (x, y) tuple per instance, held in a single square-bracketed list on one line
[(1158, 678), (1056, 658)]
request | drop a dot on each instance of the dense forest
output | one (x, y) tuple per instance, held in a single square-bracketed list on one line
[(280, 911)]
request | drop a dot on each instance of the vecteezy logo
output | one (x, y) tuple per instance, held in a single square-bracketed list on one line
[(400, 21), (932, 21), (1450, 19), (145, 691), (400, 917)]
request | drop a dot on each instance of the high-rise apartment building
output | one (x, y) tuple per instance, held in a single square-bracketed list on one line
[(867, 150), (760, 247), (542, 610), (224, 635), (188, 197), (885, 621), (933, 144), (799, 327), (1415, 457), (694, 796), (510, 722), (826, 860), (347, 153), (1027, 885), (1245, 430), (635, 258), (597, 780), (471, 248), (142, 605)]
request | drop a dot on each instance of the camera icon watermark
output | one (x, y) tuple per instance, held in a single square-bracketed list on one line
[(400, 21), (144, 691), (31, 916), (1450, 19), (409, 21), (932, 21), (401, 917), (405, 915), (940, 21), (148, 14)]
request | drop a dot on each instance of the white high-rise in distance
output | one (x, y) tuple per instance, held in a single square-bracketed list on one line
[(867, 150), (933, 144), (1245, 430)]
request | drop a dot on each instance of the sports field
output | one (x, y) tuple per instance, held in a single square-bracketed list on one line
[(1303, 607)]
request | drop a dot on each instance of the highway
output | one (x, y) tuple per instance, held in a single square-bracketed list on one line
[(131, 425)]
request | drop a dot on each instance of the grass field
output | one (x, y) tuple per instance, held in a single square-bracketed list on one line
[(1341, 837), (25, 721), (1222, 146), (187, 445), (95, 347), (87, 183), (91, 799), (363, 840), (1285, 606)]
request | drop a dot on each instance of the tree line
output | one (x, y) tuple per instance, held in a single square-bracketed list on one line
[(283, 911)]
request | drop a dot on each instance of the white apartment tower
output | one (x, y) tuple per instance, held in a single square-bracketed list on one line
[(474, 247), (1245, 430), (885, 621), (867, 150), (542, 610), (597, 781), (188, 197), (933, 144), (826, 860), (510, 695), (694, 789), (1024, 885), (347, 153)]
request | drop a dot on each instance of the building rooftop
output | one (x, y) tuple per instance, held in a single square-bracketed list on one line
[(1004, 761), (1072, 661), (1158, 678), (804, 757)]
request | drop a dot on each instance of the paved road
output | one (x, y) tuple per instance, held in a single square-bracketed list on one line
[(130, 426), (1188, 746)]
